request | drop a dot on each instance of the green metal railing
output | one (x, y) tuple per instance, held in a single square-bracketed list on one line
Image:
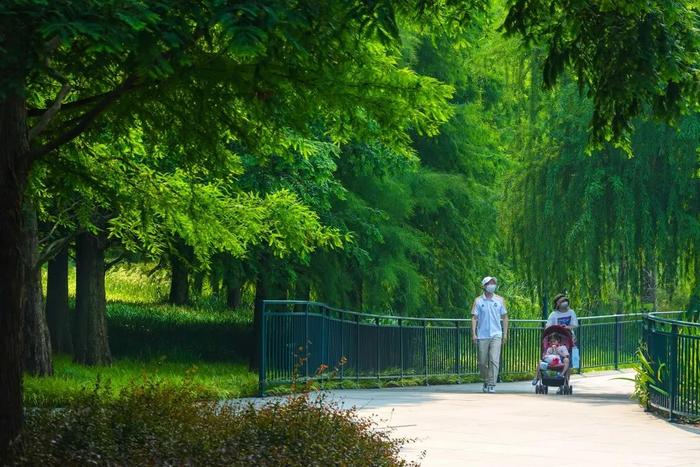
[(673, 348), (298, 337)]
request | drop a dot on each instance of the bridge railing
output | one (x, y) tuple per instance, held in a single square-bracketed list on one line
[(673, 348), (298, 337)]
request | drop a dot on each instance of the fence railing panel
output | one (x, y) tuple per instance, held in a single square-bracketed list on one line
[(673, 349), (298, 338)]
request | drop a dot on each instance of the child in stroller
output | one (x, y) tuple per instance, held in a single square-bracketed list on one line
[(554, 368)]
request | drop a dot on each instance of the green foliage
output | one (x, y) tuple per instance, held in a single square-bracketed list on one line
[(156, 423), (376, 155), (647, 377), (628, 56), (608, 225), (426, 228), (182, 91)]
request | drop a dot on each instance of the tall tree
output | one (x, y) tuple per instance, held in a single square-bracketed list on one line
[(90, 337), (58, 315), (37, 343)]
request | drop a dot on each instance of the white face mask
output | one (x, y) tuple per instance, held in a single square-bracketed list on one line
[(491, 288), (563, 306)]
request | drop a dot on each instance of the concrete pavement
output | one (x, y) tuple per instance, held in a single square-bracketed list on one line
[(459, 425)]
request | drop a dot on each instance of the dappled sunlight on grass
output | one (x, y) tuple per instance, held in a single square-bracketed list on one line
[(214, 380)]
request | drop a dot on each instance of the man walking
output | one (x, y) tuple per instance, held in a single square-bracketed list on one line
[(487, 331)]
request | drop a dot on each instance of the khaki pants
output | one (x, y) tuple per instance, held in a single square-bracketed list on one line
[(489, 358)]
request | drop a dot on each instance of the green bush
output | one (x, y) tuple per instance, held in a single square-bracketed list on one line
[(153, 423), (178, 333)]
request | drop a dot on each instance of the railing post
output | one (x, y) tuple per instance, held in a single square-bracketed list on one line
[(647, 331), (579, 339), (261, 351), (401, 346), (357, 348), (674, 372), (617, 342), (342, 344), (306, 341), (324, 342), (376, 323), (457, 349), (425, 351)]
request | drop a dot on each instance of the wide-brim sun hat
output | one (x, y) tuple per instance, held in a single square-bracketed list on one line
[(487, 279), (558, 297)]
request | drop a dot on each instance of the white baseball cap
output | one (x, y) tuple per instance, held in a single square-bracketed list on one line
[(487, 279)]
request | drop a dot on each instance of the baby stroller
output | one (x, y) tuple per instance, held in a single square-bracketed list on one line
[(551, 376)]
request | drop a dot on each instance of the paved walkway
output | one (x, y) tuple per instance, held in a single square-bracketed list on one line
[(597, 426)]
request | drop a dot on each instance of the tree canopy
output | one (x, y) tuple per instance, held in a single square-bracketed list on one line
[(378, 155)]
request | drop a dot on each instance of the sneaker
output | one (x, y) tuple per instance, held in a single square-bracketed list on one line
[(485, 388), (535, 381), (492, 389)]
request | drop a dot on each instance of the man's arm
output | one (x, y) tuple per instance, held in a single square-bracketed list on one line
[(475, 319)]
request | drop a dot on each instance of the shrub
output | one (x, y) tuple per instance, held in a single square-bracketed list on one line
[(152, 423)]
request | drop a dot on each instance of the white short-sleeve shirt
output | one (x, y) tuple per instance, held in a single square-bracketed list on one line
[(488, 312)]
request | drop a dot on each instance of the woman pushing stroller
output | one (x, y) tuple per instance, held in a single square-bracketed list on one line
[(562, 314)]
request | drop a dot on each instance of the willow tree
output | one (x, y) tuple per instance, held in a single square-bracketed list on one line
[(611, 223)]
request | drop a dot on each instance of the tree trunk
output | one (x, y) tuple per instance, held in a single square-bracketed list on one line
[(260, 295), (233, 290), (198, 284), (302, 289), (179, 282), (693, 308), (91, 344), (234, 296), (14, 172), (37, 345), (57, 312)]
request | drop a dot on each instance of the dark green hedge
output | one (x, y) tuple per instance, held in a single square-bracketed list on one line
[(178, 333)]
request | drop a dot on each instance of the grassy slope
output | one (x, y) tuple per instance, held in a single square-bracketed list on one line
[(131, 293)]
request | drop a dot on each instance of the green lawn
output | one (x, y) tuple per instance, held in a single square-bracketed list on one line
[(213, 380), (205, 341)]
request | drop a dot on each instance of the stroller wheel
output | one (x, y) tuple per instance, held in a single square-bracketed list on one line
[(537, 389)]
